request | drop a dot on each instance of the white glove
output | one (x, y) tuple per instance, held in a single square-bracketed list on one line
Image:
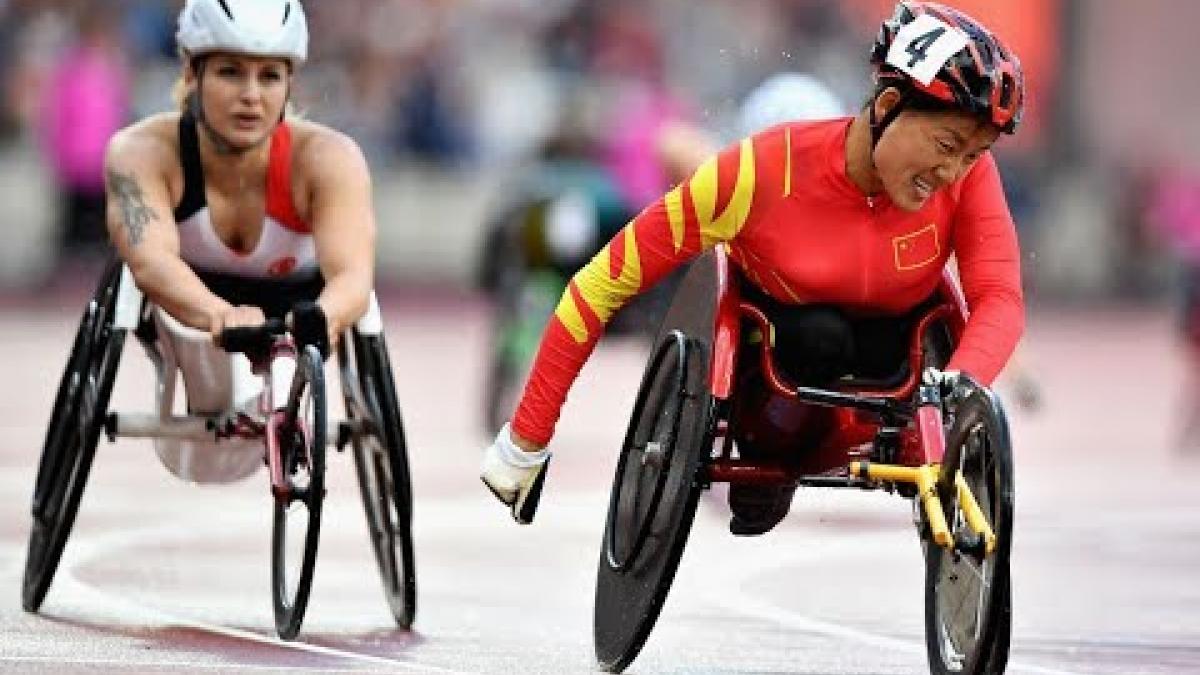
[(513, 475), (944, 380)]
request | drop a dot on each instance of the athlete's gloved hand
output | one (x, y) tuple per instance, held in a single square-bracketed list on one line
[(945, 380), (309, 326), (514, 476), (234, 316)]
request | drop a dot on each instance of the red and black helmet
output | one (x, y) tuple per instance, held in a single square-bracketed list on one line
[(984, 77)]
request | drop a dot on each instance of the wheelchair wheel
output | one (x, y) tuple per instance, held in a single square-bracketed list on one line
[(968, 599), (381, 463), (653, 499), (80, 406), (297, 527)]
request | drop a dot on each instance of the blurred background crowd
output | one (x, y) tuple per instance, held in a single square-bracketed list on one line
[(449, 97)]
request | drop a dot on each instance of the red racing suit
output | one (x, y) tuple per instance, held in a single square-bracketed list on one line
[(798, 227)]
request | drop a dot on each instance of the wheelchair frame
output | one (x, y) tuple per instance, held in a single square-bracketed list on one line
[(373, 428), (904, 436)]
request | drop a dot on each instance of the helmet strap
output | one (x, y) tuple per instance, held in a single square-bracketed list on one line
[(878, 126)]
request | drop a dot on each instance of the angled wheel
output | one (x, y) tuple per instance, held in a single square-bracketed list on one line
[(653, 499), (80, 407), (968, 599), (381, 463), (299, 431)]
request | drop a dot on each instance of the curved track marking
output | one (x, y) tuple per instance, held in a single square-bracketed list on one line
[(177, 665), (734, 598), (86, 550)]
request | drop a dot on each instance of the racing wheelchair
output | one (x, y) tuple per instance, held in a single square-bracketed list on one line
[(291, 427), (710, 376)]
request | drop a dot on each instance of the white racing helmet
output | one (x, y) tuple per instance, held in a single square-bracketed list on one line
[(785, 97), (275, 28)]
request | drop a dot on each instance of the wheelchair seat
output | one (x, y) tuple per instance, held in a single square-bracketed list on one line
[(825, 346)]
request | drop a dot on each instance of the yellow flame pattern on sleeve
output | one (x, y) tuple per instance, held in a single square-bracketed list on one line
[(704, 191), (787, 167), (704, 194), (674, 205), (570, 317), (604, 295)]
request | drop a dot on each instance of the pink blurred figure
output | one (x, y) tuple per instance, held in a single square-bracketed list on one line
[(86, 100), (1173, 210)]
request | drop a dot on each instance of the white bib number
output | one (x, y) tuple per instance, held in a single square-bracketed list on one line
[(923, 46)]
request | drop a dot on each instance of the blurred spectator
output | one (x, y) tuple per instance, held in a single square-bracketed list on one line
[(85, 100), (627, 59), (32, 36), (430, 122), (1173, 210), (150, 28), (1171, 204)]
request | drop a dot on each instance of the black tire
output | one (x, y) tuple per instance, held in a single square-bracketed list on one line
[(381, 464), (654, 497), (80, 406), (997, 659), (303, 458), (968, 599)]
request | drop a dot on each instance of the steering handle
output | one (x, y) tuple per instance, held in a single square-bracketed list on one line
[(252, 340)]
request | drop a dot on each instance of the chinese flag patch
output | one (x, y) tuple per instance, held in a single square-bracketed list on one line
[(916, 249)]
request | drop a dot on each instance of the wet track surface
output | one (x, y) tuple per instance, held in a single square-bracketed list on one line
[(160, 576)]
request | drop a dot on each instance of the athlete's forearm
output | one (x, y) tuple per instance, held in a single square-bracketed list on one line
[(344, 299), (170, 283)]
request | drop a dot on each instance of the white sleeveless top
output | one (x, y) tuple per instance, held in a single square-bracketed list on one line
[(285, 251)]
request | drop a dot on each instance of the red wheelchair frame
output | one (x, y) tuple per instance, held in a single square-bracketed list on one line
[(849, 427), (700, 396)]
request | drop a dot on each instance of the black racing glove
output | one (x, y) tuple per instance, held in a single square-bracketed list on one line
[(309, 326)]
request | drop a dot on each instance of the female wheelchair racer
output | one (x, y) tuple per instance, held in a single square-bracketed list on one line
[(844, 227), (224, 214)]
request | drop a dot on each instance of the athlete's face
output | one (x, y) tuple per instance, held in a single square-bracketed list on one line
[(923, 152), (243, 96)]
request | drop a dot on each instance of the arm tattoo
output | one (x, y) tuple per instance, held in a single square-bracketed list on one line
[(133, 205)]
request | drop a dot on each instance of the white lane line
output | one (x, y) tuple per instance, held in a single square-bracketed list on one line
[(734, 598), (174, 665), (86, 550)]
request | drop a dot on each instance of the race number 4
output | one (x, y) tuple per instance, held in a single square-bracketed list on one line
[(923, 46)]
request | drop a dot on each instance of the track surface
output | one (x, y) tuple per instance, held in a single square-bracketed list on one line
[(162, 576)]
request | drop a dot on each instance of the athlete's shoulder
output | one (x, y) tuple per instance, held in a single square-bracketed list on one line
[(801, 137), (318, 149), (822, 128), (151, 141), (983, 174), (816, 133), (314, 141)]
